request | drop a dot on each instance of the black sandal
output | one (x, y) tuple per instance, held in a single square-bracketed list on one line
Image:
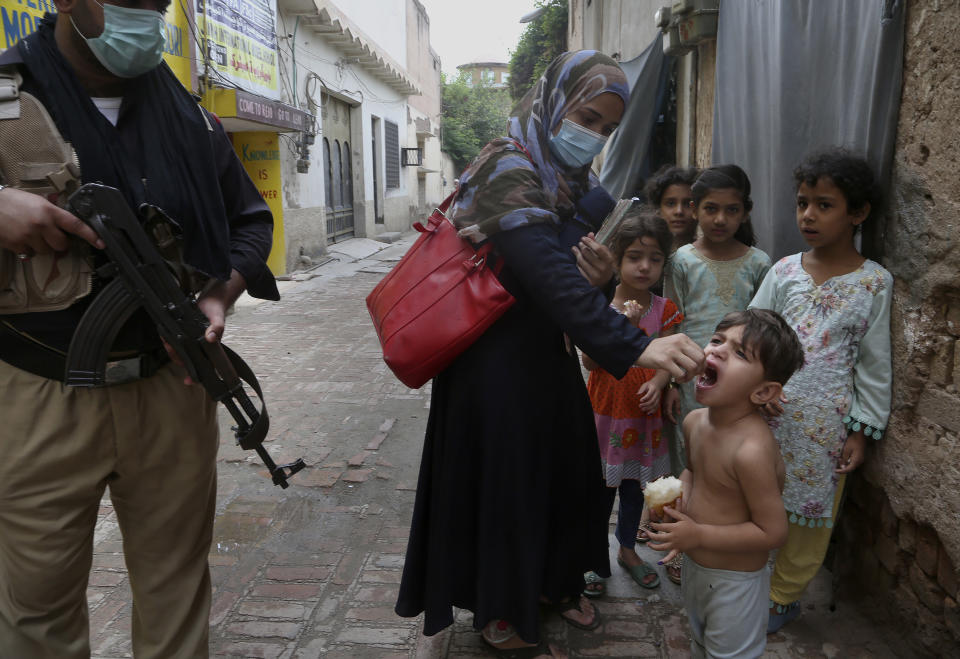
[(528, 652)]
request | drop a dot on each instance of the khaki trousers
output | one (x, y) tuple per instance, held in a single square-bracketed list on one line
[(154, 442), (802, 555)]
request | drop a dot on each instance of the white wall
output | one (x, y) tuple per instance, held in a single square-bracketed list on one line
[(384, 21), (368, 96)]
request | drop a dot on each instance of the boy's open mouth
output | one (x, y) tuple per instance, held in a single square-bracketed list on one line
[(709, 377)]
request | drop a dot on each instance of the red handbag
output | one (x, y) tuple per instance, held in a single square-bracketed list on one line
[(436, 301)]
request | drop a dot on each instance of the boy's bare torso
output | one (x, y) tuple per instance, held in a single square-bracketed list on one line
[(717, 496)]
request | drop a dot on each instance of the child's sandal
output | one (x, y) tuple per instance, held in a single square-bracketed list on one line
[(642, 535), (781, 614), (674, 569), (594, 584)]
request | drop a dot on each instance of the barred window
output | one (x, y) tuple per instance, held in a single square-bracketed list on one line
[(391, 154)]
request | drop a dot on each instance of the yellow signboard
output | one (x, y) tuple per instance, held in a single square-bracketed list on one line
[(240, 43), (260, 155), (19, 18)]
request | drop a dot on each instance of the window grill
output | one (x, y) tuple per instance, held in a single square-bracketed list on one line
[(411, 157), (391, 152)]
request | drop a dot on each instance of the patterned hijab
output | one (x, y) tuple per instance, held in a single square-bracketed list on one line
[(503, 188)]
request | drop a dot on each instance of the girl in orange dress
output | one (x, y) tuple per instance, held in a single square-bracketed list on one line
[(627, 411)]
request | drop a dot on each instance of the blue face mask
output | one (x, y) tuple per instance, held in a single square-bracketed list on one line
[(576, 146), (132, 40)]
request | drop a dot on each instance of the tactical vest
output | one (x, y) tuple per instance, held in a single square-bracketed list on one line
[(35, 158)]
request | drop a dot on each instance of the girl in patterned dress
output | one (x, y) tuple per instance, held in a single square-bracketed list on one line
[(717, 273), (839, 304), (721, 270), (627, 411)]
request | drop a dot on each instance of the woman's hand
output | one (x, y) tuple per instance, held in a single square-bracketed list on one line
[(677, 354), (594, 260), (29, 224), (649, 394)]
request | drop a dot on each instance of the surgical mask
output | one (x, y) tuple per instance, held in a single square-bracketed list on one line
[(574, 145), (132, 40)]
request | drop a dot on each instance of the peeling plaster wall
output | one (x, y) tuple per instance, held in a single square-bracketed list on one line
[(913, 476)]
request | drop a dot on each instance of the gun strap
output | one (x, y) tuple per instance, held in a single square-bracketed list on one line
[(258, 431)]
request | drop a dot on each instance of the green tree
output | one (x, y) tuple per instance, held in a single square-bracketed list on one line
[(472, 115), (544, 38)]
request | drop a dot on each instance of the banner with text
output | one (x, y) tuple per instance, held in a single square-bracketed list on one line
[(19, 18), (240, 40)]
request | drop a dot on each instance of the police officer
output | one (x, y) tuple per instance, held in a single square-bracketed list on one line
[(96, 67)]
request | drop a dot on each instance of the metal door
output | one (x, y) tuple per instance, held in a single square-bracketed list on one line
[(338, 179)]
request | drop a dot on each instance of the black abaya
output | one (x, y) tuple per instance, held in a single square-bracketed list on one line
[(509, 503)]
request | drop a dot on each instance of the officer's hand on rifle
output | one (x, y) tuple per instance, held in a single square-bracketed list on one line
[(214, 303), (217, 299), (29, 224)]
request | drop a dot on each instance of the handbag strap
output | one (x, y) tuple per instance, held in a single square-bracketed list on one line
[(483, 252)]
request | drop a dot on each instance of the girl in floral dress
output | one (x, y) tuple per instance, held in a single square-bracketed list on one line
[(839, 304), (627, 411)]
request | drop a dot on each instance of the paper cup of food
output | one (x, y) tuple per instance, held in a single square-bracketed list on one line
[(662, 492)]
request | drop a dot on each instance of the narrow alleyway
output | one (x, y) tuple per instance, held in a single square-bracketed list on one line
[(313, 571)]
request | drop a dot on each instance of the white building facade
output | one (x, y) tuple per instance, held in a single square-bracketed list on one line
[(347, 64)]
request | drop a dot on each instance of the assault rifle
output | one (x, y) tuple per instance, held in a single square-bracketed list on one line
[(146, 270)]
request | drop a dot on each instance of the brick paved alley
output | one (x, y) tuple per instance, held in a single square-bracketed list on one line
[(313, 571)]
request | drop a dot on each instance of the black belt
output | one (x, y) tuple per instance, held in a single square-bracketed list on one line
[(23, 352)]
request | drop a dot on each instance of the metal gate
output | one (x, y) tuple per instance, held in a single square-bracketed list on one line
[(338, 165)]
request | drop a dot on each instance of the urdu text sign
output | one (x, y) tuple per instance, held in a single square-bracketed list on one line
[(240, 41)]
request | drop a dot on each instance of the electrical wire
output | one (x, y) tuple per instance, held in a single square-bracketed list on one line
[(208, 67), (342, 64)]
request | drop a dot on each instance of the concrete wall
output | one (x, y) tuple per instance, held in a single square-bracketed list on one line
[(423, 64), (620, 28), (904, 518), (423, 114), (303, 194), (449, 174), (383, 21)]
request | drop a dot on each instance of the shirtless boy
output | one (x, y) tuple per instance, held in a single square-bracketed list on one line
[(731, 514)]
